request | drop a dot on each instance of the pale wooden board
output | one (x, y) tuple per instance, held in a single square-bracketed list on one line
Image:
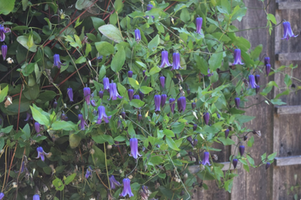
[(288, 5), (286, 161), (285, 110), (289, 56)]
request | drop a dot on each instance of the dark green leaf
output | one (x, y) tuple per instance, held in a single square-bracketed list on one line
[(111, 32)]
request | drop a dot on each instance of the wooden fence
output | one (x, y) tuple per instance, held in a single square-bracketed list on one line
[(280, 126)]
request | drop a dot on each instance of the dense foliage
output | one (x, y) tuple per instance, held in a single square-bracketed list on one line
[(88, 111)]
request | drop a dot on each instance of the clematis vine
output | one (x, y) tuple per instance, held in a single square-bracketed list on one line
[(164, 60), (113, 182), (106, 83), (137, 35), (4, 51), (162, 81), (287, 31), (241, 150), (87, 94), (102, 115), (88, 173), (172, 104), (126, 188), (113, 92), (57, 61), (181, 104), (163, 99), (199, 22), (237, 102), (176, 61), (237, 57), (82, 123), (149, 7), (70, 94), (41, 153), (205, 160), (3, 30), (157, 99), (37, 127), (252, 82), (36, 197), (134, 147)]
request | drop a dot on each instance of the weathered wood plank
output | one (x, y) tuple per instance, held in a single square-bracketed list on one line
[(196, 168), (284, 110), (288, 56), (288, 5), (286, 161)]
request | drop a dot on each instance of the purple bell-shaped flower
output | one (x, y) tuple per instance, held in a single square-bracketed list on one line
[(268, 69), (37, 127), (113, 182), (87, 94), (3, 30), (70, 94), (172, 104), (237, 102), (157, 99), (267, 60), (206, 118), (205, 160), (82, 123), (1, 195), (164, 60), (126, 188), (237, 57), (163, 99), (57, 61), (41, 153), (102, 115), (227, 133), (131, 94), (137, 35), (287, 31), (162, 81), (234, 162), (106, 83), (130, 74), (113, 92), (176, 61), (252, 82), (149, 7), (4, 51), (181, 104), (100, 94), (88, 173), (199, 22), (134, 147), (241, 150)]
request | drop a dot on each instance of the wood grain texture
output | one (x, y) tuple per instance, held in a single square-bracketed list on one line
[(289, 56), (286, 110), (196, 168), (286, 161), (288, 5)]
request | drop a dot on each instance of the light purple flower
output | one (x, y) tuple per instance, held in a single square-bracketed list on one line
[(252, 81), (149, 7), (113, 182), (162, 81), (287, 31), (181, 104), (4, 51), (126, 188), (70, 93), (113, 92), (172, 104), (82, 123), (199, 22), (237, 57), (106, 83), (37, 127), (36, 197), (237, 102), (57, 61), (137, 35), (131, 94), (266, 60), (157, 99), (163, 99), (176, 61), (1, 195), (267, 69), (100, 94), (130, 74), (206, 118), (3, 30), (102, 115), (41, 153), (88, 173), (205, 160), (134, 148), (164, 59), (87, 94)]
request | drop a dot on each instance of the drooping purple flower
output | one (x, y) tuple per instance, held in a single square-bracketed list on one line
[(70, 93), (64, 117), (137, 35), (241, 150), (136, 96), (157, 99), (227, 133), (113, 182), (131, 94), (199, 22), (41, 153), (287, 31), (163, 99), (87, 94), (267, 165), (266, 60), (3, 30), (252, 82), (139, 117), (206, 118), (234, 162), (162, 81), (36, 197), (195, 126), (102, 115), (257, 78), (28, 116), (123, 114), (130, 74), (193, 105), (176, 64), (195, 142), (1, 195), (4, 51), (190, 139), (82, 123), (209, 74), (218, 115), (237, 57), (237, 102), (126, 188), (172, 104), (100, 94), (113, 92), (134, 147), (88, 173), (37, 127), (205, 160), (141, 95), (54, 105), (257, 89), (57, 61), (145, 193), (164, 60), (149, 7), (181, 104), (106, 83), (267, 69)]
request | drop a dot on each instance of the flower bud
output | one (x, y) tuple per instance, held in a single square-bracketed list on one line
[(234, 161), (193, 105), (100, 94), (226, 133), (130, 74), (241, 150), (267, 165), (137, 35), (195, 126)]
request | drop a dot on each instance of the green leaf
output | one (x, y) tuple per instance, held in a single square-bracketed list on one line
[(26, 131), (6, 6), (154, 70), (246, 167), (2, 142), (121, 89), (171, 143), (145, 89), (111, 32), (218, 173), (27, 68), (226, 141), (3, 93), (134, 83), (272, 18), (156, 160), (100, 139), (286, 92), (256, 52), (120, 138), (251, 160), (168, 133), (58, 184), (102, 72), (131, 130), (225, 7), (104, 48), (277, 102), (118, 60), (80, 60), (70, 178), (251, 141), (74, 140), (97, 22), (82, 4), (201, 64), (272, 156), (118, 5), (23, 40), (152, 45), (287, 80), (216, 59), (39, 115), (63, 125), (185, 15), (137, 103)]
